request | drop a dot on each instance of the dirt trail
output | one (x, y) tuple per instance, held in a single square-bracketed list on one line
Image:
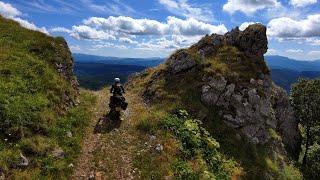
[(107, 151)]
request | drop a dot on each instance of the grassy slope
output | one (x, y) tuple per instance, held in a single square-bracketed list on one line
[(33, 116), (183, 92)]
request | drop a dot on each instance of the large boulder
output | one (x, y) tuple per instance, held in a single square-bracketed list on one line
[(180, 61)]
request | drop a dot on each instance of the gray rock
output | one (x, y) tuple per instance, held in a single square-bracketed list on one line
[(69, 134), (159, 148), (153, 137), (180, 61), (58, 153), (23, 161)]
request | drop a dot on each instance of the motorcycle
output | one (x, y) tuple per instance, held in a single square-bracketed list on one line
[(117, 104)]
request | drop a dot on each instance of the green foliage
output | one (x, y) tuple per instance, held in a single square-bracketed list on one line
[(31, 89), (35, 104), (38, 149), (313, 165), (9, 158), (36, 145), (305, 100), (182, 170), (196, 141)]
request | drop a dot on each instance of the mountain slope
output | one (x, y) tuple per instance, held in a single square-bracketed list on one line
[(38, 98), (224, 82), (93, 75), (280, 62), (147, 62)]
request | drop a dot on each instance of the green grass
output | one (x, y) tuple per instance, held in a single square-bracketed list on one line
[(36, 108), (38, 149), (31, 90)]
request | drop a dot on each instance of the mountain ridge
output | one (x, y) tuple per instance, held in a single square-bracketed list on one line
[(224, 82)]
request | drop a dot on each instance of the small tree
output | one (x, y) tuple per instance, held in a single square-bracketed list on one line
[(305, 99)]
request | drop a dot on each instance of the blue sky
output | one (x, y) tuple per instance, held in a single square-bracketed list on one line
[(155, 28)]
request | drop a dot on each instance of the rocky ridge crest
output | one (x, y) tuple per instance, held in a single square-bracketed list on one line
[(251, 104)]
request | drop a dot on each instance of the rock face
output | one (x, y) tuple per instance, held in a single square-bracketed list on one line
[(180, 61), (254, 110), (253, 106)]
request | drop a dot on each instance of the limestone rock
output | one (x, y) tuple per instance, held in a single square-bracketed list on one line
[(23, 161), (180, 61), (58, 153)]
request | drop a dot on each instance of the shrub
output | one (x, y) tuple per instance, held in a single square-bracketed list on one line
[(196, 141)]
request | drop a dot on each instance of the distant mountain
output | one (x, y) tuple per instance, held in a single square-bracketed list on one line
[(93, 75), (286, 77), (96, 71), (280, 62), (147, 62)]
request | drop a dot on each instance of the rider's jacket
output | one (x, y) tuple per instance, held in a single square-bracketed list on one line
[(117, 89)]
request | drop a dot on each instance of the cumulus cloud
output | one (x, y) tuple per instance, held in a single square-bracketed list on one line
[(128, 25), (185, 9), (314, 55), (60, 29), (289, 28), (302, 3), (271, 52), (8, 11), (74, 48), (313, 41), (249, 6), (244, 25), (86, 32), (294, 51), (127, 40)]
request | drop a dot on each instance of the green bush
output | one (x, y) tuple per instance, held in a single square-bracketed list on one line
[(8, 159), (313, 166), (196, 141), (182, 170), (37, 145)]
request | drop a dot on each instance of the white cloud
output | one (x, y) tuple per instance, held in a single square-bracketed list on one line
[(127, 40), (128, 25), (313, 41), (185, 9), (314, 55), (107, 45), (302, 3), (294, 51), (8, 11), (244, 25), (29, 25), (86, 32), (74, 48), (249, 6), (271, 52), (60, 29), (287, 28)]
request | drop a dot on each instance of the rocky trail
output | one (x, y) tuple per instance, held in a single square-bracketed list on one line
[(108, 149)]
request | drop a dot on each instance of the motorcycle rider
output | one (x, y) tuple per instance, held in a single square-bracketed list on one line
[(117, 98), (117, 88)]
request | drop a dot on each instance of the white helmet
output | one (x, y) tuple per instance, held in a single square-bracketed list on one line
[(117, 79)]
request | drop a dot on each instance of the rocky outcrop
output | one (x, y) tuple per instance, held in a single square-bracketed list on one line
[(180, 61), (252, 41), (254, 105), (254, 110)]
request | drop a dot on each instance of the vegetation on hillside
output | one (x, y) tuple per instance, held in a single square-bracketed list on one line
[(182, 91), (305, 100), (40, 128)]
